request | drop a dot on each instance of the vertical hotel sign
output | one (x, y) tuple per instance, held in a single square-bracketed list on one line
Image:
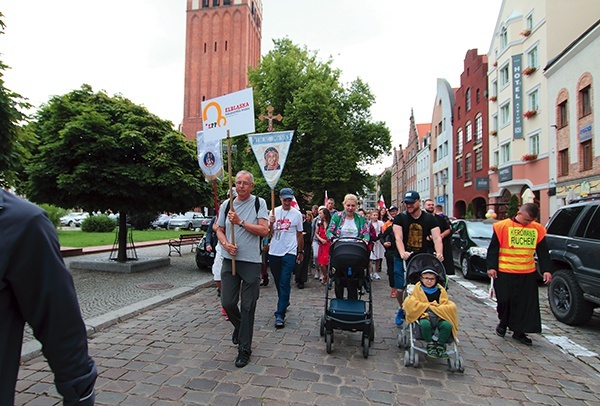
[(517, 96)]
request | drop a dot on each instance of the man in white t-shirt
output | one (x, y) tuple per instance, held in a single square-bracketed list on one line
[(287, 246)]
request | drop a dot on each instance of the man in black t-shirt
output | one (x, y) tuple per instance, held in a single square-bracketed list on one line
[(411, 230)]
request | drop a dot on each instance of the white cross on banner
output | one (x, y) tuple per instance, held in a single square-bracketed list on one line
[(271, 150), (233, 112), (209, 157)]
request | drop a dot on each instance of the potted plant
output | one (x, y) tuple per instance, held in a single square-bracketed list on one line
[(495, 64), (525, 32), (528, 157), (529, 113), (529, 70), (493, 133), (494, 168), (493, 98)]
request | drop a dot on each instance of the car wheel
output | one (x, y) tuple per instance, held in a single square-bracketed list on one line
[(71, 224), (566, 299), (465, 268), (190, 227)]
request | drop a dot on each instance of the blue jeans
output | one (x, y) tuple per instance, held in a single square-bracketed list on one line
[(399, 281), (282, 269)]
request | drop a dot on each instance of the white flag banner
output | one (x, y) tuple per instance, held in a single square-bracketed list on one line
[(233, 112), (271, 150), (209, 157)]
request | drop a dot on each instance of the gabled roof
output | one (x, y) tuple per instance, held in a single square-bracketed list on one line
[(423, 129)]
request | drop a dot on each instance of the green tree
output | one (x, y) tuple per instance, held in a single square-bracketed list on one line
[(335, 138), (100, 152), (470, 212), (14, 144), (513, 206), (385, 187)]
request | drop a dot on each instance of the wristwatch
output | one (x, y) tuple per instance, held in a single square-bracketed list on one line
[(242, 223)]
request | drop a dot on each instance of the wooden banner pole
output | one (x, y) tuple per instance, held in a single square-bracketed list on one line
[(231, 198)]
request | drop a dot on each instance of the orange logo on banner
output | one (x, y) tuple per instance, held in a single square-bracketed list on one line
[(220, 116)]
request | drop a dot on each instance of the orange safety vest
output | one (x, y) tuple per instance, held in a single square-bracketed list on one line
[(517, 245)]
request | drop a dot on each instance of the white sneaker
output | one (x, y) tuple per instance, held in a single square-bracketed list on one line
[(377, 277), (317, 276)]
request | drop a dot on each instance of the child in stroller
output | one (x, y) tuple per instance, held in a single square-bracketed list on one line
[(430, 307), (430, 315)]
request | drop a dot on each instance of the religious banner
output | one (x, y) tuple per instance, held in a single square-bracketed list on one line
[(233, 113), (271, 150), (209, 157)]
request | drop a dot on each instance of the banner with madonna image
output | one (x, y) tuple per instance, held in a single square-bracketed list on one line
[(209, 157), (271, 150)]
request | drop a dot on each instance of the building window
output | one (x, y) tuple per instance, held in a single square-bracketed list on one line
[(468, 168), (205, 3), (468, 131), (458, 113), (226, 2), (477, 96), (503, 38), (504, 153), (496, 158), (563, 119), (586, 103), (495, 123), (505, 114), (459, 141), (586, 155), (468, 100), (479, 159), (459, 168), (495, 88), (563, 162), (478, 129), (534, 144), (529, 22), (504, 76), (532, 58), (216, 3), (534, 100)]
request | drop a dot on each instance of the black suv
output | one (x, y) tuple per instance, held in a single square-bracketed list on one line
[(574, 242)]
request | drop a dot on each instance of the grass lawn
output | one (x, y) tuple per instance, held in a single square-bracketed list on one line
[(78, 239)]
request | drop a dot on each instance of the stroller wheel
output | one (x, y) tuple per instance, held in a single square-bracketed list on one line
[(322, 328), (406, 358), (451, 365), (366, 343), (328, 341), (415, 361), (372, 332), (460, 365)]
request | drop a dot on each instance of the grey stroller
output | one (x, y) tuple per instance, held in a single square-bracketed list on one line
[(410, 334)]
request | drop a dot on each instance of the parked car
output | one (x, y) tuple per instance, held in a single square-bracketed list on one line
[(205, 223), (162, 221), (574, 242), (470, 241), (190, 220), (73, 219)]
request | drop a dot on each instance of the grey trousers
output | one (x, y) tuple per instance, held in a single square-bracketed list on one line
[(246, 279)]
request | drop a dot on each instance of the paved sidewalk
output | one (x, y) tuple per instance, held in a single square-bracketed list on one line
[(180, 353)]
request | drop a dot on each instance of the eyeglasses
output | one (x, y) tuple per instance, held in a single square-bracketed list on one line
[(427, 278), (242, 183)]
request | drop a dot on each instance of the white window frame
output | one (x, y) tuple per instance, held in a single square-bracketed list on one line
[(505, 118), (503, 38), (529, 21), (505, 153), (468, 131), (533, 99), (504, 75), (533, 57), (533, 141), (478, 129)]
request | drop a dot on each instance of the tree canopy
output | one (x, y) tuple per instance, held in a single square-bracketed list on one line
[(335, 137), (100, 152), (14, 145)]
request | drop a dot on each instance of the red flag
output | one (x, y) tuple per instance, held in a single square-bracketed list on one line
[(326, 198), (295, 204), (381, 202)]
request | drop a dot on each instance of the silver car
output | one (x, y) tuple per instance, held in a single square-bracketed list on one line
[(190, 220)]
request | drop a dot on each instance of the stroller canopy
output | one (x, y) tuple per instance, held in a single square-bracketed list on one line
[(420, 262)]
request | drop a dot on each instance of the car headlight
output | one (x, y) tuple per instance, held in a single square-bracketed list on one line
[(478, 252)]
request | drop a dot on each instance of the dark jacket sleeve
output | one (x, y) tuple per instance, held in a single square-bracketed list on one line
[(543, 254), (493, 252), (45, 296)]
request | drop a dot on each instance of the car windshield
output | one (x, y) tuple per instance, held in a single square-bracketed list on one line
[(480, 230)]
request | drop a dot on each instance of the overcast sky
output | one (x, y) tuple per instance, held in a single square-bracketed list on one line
[(137, 48)]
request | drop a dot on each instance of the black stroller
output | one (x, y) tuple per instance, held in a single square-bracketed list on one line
[(410, 333), (349, 267)]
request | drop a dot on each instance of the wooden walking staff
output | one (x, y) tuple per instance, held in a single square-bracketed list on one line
[(230, 198)]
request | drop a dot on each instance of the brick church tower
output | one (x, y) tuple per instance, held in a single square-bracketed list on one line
[(222, 42)]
